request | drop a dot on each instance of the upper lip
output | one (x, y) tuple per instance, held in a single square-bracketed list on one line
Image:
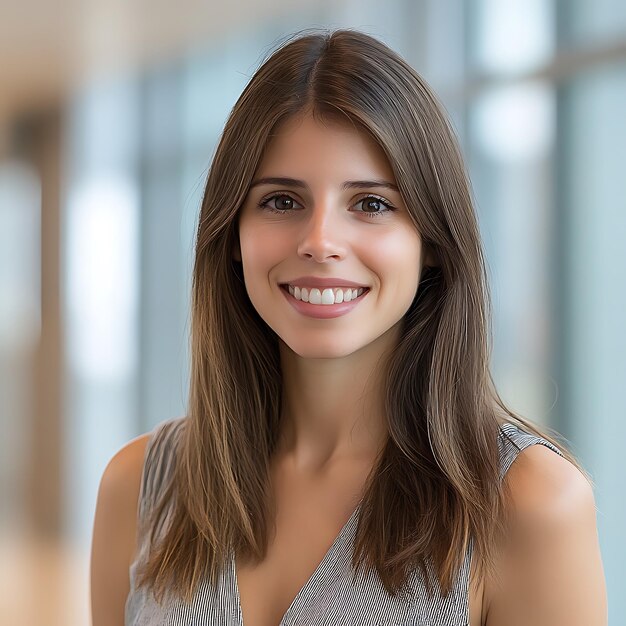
[(314, 281)]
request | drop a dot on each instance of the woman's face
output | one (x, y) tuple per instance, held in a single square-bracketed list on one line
[(339, 219)]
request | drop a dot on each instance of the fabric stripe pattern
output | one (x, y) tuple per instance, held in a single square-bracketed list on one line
[(330, 597)]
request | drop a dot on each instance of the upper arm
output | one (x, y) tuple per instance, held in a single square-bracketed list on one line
[(114, 533), (550, 571)]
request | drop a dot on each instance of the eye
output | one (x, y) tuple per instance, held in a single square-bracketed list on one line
[(282, 203), (373, 206)]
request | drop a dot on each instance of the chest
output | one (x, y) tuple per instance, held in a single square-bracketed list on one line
[(313, 529), (312, 519), (293, 565)]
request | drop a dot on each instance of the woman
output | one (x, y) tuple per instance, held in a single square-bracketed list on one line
[(346, 458)]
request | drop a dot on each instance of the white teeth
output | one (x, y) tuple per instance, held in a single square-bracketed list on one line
[(326, 296), (315, 297)]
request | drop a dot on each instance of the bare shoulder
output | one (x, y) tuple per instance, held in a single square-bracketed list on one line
[(550, 571), (547, 488), (115, 531), (125, 466), (118, 493)]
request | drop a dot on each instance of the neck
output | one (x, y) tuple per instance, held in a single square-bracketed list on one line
[(333, 409)]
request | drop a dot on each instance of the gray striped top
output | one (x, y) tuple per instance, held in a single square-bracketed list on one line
[(329, 597)]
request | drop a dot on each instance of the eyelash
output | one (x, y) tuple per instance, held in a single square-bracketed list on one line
[(263, 204)]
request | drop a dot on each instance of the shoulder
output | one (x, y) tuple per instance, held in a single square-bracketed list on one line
[(115, 531), (122, 473), (550, 570), (133, 472), (546, 487), (139, 463)]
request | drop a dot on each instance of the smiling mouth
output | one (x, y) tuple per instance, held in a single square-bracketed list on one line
[(325, 296)]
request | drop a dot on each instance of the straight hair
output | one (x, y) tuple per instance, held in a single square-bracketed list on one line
[(436, 485)]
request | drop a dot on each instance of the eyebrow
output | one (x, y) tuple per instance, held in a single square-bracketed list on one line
[(349, 184)]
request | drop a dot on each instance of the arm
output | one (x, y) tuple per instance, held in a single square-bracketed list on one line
[(550, 571), (114, 533)]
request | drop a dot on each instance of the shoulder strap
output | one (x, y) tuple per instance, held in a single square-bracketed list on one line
[(512, 440), (159, 462)]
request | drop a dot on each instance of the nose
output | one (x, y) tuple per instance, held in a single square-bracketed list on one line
[(323, 235)]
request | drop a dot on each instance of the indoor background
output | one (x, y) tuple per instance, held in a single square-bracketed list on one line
[(109, 115)]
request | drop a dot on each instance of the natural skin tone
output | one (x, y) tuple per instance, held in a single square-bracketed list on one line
[(332, 368), (549, 573), (327, 226), (333, 373)]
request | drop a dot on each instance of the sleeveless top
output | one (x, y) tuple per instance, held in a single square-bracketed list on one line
[(330, 596)]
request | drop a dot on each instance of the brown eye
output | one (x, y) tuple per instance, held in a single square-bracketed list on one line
[(278, 203), (372, 206), (283, 202)]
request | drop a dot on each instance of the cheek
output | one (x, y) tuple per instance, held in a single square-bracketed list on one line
[(396, 255), (261, 251), (400, 269), (254, 244)]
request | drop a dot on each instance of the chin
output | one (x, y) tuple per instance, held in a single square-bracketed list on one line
[(321, 350)]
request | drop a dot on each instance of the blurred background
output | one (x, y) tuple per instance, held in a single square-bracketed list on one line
[(109, 115)]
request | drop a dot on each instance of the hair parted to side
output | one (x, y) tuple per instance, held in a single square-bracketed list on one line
[(437, 484)]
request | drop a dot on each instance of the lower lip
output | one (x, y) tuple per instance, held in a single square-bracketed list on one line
[(322, 311)]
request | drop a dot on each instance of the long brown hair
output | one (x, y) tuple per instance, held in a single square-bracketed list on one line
[(437, 482)]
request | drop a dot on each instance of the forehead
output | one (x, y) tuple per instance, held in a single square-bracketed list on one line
[(332, 149)]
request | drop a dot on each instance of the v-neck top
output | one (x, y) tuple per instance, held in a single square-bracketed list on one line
[(330, 596)]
